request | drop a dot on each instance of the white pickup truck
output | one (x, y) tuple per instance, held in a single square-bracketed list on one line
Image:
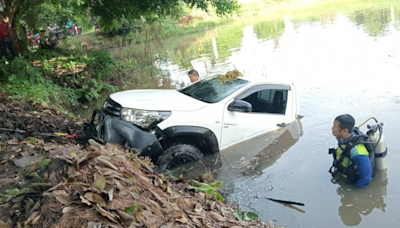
[(179, 126)]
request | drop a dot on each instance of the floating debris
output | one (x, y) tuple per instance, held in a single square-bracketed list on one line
[(230, 75)]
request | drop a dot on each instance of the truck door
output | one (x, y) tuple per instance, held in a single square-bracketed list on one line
[(272, 107)]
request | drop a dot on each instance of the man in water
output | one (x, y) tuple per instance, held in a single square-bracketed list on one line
[(351, 157), (193, 75)]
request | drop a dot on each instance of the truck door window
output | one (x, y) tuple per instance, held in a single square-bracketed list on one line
[(268, 101)]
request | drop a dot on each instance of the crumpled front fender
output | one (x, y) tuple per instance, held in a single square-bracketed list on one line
[(125, 133)]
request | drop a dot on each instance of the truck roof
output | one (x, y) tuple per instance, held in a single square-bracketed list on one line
[(264, 79)]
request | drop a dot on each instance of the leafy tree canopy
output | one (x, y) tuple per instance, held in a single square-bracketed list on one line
[(110, 12)]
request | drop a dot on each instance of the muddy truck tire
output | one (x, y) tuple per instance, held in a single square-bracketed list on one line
[(178, 154)]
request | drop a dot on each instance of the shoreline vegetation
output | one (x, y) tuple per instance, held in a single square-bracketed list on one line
[(81, 67)]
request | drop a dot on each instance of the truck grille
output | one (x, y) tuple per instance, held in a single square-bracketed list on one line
[(112, 108)]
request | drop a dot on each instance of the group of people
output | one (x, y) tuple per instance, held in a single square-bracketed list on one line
[(50, 41), (69, 25), (52, 28), (46, 42), (5, 41)]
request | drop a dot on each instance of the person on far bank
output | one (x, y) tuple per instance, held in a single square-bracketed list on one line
[(193, 76), (45, 42), (49, 29), (5, 41), (69, 24), (351, 157)]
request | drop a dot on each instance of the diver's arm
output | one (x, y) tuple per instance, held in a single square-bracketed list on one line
[(364, 169)]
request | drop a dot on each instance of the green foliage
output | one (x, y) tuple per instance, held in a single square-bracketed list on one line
[(35, 177), (245, 215), (116, 17), (32, 140), (210, 189), (42, 54), (12, 193), (112, 13), (26, 82), (35, 15), (100, 66), (126, 27), (33, 77), (85, 22), (133, 209), (44, 163), (100, 62)]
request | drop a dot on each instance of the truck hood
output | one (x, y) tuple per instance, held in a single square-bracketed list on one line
[(157, 100)]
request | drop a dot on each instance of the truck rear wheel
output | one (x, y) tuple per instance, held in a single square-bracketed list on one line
[(178, 154)]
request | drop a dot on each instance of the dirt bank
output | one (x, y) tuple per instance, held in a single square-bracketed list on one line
[(22, 120)]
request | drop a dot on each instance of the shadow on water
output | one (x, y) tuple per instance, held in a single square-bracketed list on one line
[(358, 203), (270, 154), (248, 158)]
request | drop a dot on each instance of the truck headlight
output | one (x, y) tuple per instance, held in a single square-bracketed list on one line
[(142, 118)]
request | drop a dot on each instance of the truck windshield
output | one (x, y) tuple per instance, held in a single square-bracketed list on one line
[(211, 90)]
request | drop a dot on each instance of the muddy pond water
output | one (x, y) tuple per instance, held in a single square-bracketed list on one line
[(344, 57)]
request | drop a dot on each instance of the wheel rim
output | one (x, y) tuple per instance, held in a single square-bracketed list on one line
[(179, 160)]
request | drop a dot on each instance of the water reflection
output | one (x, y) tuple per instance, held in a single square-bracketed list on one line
[(375, 21), (270, 30), (242, 44), (275, 149), (392, 17), (361, 202), (249, 158)]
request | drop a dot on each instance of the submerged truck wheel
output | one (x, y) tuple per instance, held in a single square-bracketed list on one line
[(178, 154)]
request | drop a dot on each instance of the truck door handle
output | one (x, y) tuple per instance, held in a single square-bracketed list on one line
[(281, 125)]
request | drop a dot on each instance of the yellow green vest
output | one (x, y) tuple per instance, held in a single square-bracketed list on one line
[(347, 162)]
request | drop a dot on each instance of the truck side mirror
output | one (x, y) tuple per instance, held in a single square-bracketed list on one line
[(240, 106)]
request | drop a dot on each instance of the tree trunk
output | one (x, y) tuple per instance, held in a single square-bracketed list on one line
[(20, 47), (11, 11)]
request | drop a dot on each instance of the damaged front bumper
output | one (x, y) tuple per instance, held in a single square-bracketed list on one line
[(111, 129)]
